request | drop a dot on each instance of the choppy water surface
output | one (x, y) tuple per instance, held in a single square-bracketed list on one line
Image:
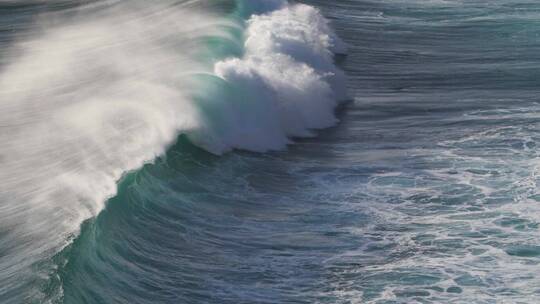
[(425, 192)]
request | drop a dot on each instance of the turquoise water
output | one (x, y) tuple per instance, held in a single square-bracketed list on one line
[(424, 192)]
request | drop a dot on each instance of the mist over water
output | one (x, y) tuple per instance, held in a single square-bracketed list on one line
[(174, 152)]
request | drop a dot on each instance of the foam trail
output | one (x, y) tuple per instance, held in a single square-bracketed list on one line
[(100, 93)]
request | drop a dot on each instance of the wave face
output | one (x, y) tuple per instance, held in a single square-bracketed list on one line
[(91, 91)]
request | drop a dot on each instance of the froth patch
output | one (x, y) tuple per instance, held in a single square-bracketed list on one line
[(287, 70)]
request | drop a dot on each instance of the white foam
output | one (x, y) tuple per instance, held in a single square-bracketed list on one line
[(289, 75)]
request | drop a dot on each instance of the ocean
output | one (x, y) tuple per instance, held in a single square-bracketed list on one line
[(265, 151)]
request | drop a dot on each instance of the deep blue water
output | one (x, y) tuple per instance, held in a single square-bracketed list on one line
[(424, 192)]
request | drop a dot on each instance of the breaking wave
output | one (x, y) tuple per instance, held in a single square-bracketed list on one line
[(94, 91)]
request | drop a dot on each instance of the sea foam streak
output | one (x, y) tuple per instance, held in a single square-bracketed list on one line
[(94, 96)]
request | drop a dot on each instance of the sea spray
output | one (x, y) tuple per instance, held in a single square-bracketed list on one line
[(93, 96)]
